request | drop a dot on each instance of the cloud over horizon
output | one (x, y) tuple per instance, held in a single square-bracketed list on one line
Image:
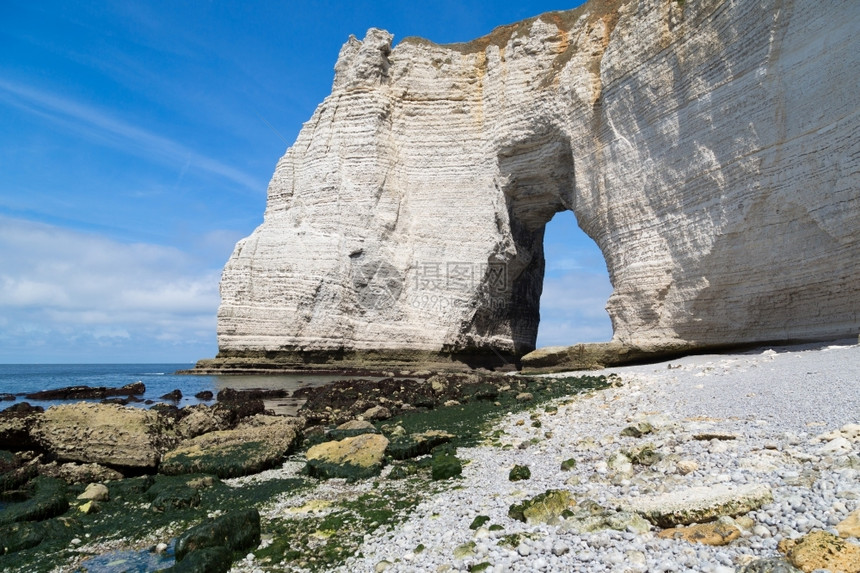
[(94, 299)]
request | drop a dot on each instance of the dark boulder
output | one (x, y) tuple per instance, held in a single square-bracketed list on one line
[(88, 392), (175, 497), (16, 537), (414, 445), (231, 395), (236, 531), (15, 424), (47, 499), (208, 560), (174, 396), (234, 412)]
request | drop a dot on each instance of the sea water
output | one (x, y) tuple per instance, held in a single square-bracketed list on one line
[(159, 379)]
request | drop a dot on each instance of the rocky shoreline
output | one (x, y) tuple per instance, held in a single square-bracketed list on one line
[(714, 463)]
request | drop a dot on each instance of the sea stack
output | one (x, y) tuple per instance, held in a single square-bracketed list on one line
[(711, 149)]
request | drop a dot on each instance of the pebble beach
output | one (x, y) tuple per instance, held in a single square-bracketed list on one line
[(783, 420)]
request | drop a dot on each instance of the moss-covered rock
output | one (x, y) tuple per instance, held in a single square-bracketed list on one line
[(590, 517), (16, 537), (236, 531), (351, 429), (17, 477), (519, 473), (445, 465), (47, 499), (352, 458), (8, 461), (480, 391), (479, 521), (465, 550), (568, 465), (257, 444), (637, 430), (403, 471), (173, 496), (207, 560), (542, 507), (644, 455), (414, 445)]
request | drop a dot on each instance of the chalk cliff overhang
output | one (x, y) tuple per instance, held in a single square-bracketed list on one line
[(710, 148)]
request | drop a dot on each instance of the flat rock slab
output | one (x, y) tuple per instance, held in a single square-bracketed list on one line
[(699, 504), (257, 444), (822, 550), (100, 433), (352, 458), (705, 533)]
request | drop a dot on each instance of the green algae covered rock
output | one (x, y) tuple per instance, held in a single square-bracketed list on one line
[(351, 429), (236, 531), (48, 500), (353, 458), (541, 508), (414, 445), (26, 534), (445, 465), (207, 560), (258, 443), (519, 472), (174, 496)]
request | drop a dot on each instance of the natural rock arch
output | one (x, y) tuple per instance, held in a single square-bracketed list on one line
[(709, 148)]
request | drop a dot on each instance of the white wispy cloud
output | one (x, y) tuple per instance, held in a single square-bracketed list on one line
[(573, 309), (62, 287), (107, 129)]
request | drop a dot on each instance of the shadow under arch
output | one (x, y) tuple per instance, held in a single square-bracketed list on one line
[(536, 177)]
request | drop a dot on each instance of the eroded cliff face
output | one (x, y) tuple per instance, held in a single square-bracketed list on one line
[(711, 148)]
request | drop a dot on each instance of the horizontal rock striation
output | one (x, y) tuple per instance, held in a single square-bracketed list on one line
[(711, 149)]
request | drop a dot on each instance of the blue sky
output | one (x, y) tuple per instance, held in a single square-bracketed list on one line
[(137, 142)]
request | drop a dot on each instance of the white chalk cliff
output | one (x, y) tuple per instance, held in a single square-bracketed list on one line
[(711, 148)]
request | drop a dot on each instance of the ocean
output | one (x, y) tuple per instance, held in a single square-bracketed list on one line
[(159, 379)]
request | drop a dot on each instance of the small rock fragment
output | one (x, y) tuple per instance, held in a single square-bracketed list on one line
[(717, 533), (519, 473), (568, 465), (377, 413), (850, 526), (821, 550), (96, 492), (687, 466)]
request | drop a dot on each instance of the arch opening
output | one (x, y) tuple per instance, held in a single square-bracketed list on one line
[(575, 286), (562, 303)]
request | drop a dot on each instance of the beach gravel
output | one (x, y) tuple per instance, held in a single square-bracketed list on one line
[(778, 422)]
